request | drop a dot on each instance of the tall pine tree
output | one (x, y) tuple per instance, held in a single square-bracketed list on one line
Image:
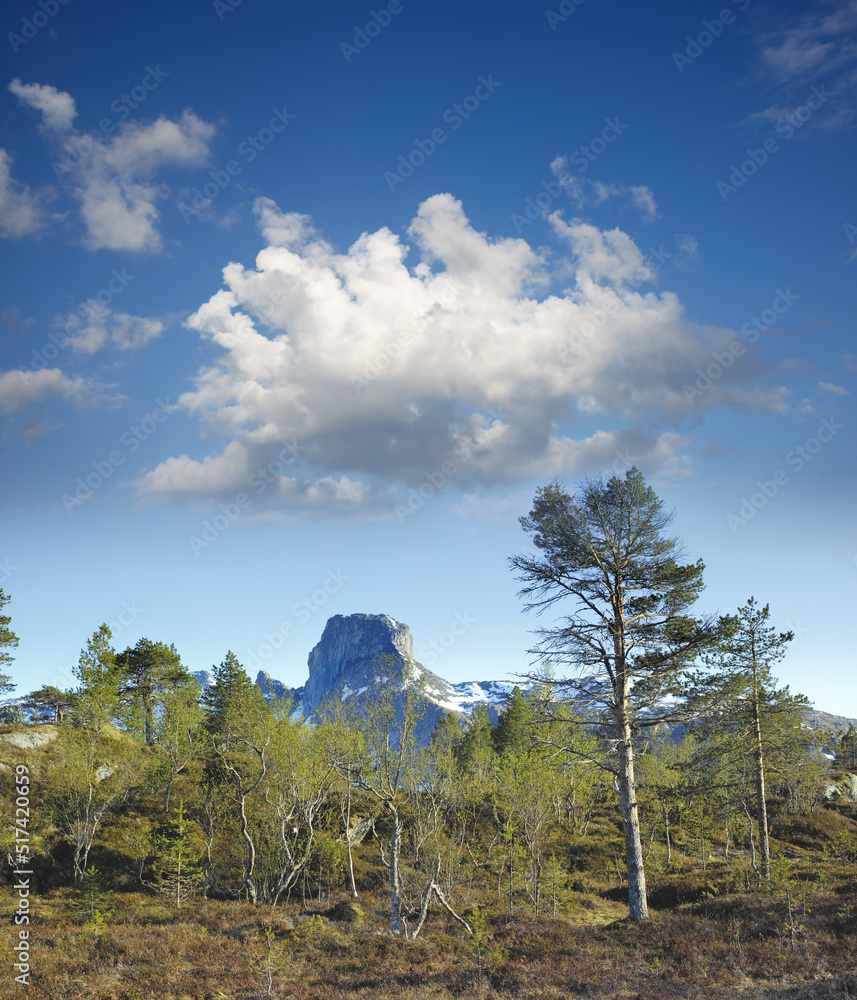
[(738, 699), (629, 635)]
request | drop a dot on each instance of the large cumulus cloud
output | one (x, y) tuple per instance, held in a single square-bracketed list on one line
[(388, 362)]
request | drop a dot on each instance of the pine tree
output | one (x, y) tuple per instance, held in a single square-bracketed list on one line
[(7, 638), (92, 901), (149, 670), (629, 635), (97, 701), (739, 697), (514, 729), (49, 701), (227, 700), (178, 871), (846, 755)]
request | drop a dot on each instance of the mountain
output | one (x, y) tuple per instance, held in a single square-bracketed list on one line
[(344, 665), (271, 688)]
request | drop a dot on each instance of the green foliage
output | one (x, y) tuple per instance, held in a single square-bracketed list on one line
[(179, 735), (7, 638), (97, 701), (92, 901), (49, 703), (474, 752), (148, 671), (604, 548), (846, 754), (267, 956), (750, 728), (514, 730), (230, 700), (483, 954), (446, 734), (177, 868)]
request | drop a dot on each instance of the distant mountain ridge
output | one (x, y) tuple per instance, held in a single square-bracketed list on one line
[(342, 665)]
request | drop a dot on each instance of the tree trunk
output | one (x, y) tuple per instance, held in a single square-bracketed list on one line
[(637, 904), (395, 879), (348, 846), (761, 808), (169, 791), (250, 864)]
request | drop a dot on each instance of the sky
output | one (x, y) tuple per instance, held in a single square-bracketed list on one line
[(302, 304)]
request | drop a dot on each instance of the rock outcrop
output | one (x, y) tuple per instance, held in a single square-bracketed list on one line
[(351, 648), (270, 687), (358, 653)]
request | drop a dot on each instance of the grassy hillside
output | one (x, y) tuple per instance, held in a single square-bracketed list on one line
[(713, 933)]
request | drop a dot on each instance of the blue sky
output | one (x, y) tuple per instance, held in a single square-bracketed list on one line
[(301, 305)]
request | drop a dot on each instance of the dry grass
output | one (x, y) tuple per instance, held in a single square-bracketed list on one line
[(722, 947)]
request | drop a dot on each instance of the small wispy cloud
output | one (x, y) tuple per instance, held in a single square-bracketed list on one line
[(593, 193), (19, 388), (23, 212), (831, 389), (101, 327)]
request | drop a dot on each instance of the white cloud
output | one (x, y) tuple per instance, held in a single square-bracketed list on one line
[(102, 327), (592, 192), (117, 188), (115, 179), (816, 41), (462, 369), (644, 200), (56, 107), (831, 389), (19, 388), (815, 46), (22, 211)]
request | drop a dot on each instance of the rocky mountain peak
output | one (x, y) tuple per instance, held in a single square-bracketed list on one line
[(345, 658)]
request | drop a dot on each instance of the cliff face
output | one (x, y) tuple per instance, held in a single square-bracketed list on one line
[(354, 650), (346, 657)]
